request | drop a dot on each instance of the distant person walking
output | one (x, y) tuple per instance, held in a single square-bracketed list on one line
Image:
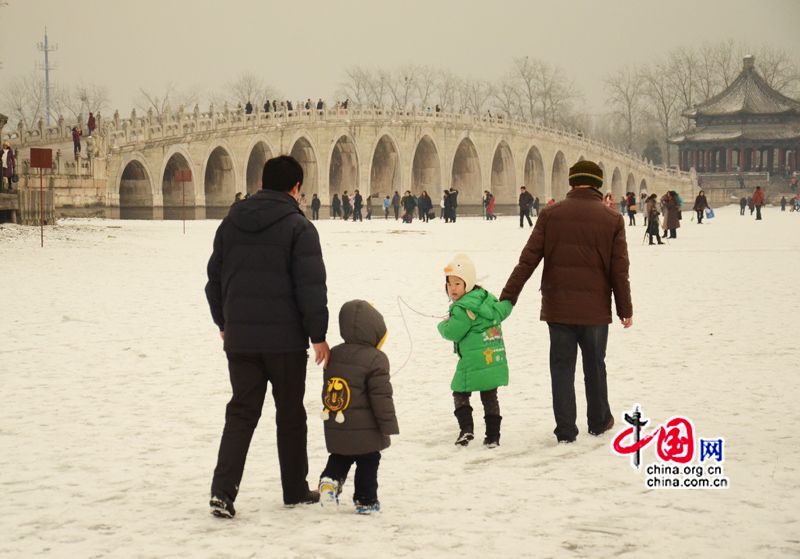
[(315, 206), (758, 201), (396, 205), (358, 202), (387, 203), (525, 204), (742, 205), (700, 206), (336, 207)]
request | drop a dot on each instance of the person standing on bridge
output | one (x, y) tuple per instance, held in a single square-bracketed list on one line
[(267, 294), (91, 124), (76, 141), (585, 257)]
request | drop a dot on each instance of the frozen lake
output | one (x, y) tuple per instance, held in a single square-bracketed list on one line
[(114, 386)]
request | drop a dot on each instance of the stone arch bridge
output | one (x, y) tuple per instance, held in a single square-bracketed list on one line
[(376, 151)]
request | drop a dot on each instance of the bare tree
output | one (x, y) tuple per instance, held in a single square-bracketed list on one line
[(170, 99), (527, 74), (401, 85), (426, 83), (477, 94), (507, 98), (249, 87), (624, 96), (662, 99), (74, 102), (779, 69), (446, 90), (24, 97), (355, 86)]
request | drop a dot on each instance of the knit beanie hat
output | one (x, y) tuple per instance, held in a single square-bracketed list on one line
[(462, 267), (586, 173)]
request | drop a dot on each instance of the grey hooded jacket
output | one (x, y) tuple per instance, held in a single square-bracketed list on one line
[(357, 392)]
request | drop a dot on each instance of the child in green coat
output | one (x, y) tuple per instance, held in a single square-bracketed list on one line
[(474, 327)]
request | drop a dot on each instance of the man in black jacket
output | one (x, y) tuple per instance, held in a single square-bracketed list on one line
[(358, 203), (525, 205), (266, 289)]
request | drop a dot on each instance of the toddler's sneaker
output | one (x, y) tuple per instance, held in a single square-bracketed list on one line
[(329, 490), (368, 509), (221, 507)]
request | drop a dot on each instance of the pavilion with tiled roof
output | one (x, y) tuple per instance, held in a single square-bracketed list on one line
[(747, 127)]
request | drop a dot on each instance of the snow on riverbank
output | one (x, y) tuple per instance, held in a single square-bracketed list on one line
[(114, 387)]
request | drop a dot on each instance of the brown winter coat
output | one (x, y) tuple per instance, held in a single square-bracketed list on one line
[(758, 197), (359, 369), (585, 256), (672, 216)]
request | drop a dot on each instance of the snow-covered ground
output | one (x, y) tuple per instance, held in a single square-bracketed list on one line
[(114, 387)]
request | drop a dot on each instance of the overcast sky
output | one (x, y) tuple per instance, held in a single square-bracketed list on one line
[(302, 47)]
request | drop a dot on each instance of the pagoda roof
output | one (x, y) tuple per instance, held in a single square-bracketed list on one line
[(748, 94)]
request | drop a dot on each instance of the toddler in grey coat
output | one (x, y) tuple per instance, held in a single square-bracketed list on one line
[(358, 408)]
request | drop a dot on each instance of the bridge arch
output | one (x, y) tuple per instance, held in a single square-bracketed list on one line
[(631, 184), (559, 185), (643, 186), (135, 189), (385, 168), (504, 178), (343, 168), (616, 185), (534, 174), (426, 167), (259, 151), (306, 154), (176, 195), (466, 172), (219, 179)]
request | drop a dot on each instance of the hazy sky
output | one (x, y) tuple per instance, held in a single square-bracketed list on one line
[(302, 47)]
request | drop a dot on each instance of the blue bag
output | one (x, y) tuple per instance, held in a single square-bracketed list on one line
[(709, 213)]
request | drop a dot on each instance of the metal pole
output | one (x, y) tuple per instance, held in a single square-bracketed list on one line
[(47, 75), (41, 205), (183, 205)]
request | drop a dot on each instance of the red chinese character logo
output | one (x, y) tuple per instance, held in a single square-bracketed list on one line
[(676, 441)]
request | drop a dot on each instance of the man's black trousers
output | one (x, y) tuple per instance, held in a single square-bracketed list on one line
[(249, 374), (564, 342), (525, 214), (366, 478)]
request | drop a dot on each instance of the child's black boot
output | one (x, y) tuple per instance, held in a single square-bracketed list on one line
[(492, 439), (465, 424)]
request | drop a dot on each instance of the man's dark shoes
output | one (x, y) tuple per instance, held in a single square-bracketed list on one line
[(311, 497), (221, 507), (609, 424)]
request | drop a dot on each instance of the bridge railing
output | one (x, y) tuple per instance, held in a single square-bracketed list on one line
[(118, 132)]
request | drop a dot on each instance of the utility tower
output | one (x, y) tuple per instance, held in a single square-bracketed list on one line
[(47, 48)]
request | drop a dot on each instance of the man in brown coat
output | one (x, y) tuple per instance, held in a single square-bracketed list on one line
[(358, 407), (585, 259)]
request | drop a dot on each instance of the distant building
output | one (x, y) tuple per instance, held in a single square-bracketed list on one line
[(747, 127)]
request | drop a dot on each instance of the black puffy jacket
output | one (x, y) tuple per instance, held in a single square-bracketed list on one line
[(266, 278)]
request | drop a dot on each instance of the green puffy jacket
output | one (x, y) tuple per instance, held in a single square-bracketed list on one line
[(483, 363)]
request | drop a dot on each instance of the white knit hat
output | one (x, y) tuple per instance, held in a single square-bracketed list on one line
[(462, 267)]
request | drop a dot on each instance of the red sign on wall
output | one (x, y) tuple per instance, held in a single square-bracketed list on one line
[(183, 175), (41, 158)]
